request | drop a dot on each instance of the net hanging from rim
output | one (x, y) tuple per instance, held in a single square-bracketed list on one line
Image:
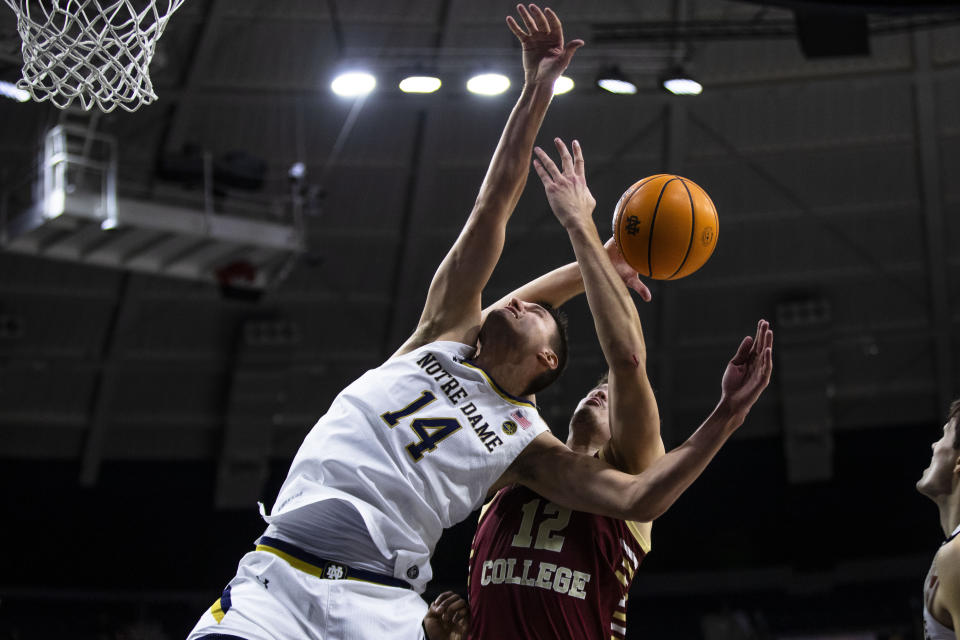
[(99, 52)]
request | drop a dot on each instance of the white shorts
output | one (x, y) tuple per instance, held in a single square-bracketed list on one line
[(271, 600)]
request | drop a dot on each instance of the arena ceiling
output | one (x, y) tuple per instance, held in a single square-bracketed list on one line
[(833, 177)]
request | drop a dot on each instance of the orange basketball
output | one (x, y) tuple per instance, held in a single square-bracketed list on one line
[(665, 226)]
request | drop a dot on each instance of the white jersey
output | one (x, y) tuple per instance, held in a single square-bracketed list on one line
[(933, 629), (411, 448)]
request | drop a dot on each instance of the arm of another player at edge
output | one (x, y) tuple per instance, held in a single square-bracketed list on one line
[(948, 593), (585, 483), (453, 307)]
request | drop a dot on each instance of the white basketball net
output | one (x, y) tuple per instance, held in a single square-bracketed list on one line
[(99, 52)]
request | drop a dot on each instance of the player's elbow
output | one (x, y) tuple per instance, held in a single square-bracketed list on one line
[(643, 513), (643, 505), (629, 359)]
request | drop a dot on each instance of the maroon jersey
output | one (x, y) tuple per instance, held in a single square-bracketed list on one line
[(538, 570)]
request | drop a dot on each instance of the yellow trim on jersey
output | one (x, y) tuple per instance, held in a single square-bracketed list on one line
[(296, 563), (500, 392), (628, 568), (486, 505), (622, 578), (306, 567), (619, 615), (483, 511), (634, 527), (217, 611)]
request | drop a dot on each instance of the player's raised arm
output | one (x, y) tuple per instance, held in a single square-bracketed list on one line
[(634, 420), (557, 287), (452, 310), (587, 484)]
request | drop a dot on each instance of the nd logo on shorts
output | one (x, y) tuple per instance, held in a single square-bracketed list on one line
[(334, 571)]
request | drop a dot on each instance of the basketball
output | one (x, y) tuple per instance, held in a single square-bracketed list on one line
[(665, 226)]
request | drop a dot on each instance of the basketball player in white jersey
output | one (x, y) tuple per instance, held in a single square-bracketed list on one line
[(941, 483), (413, 446)]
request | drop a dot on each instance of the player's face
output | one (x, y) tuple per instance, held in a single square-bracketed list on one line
[(593, 411), (525, 326), (942, 475)]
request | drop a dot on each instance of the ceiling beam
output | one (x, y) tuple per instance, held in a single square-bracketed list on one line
[(790, 195), (203, 46), (105, 385), (931, 195)]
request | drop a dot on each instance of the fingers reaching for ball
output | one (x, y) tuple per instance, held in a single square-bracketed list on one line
[(627, 273), (566, 188)]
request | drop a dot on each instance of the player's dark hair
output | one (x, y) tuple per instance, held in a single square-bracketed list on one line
[(559, 345), (955, 415)]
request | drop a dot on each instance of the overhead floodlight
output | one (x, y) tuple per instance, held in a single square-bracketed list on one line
[(683, 86), (297, 171), (562, 85), (13, 92), (420, 84), (353, 83), (488, 84), (620, 87), (613, 80), (678, 82)]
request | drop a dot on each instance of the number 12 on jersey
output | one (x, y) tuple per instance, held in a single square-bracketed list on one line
[(430, 431), (547, 533)]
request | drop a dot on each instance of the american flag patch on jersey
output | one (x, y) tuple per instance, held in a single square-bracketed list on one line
[(520, 419)]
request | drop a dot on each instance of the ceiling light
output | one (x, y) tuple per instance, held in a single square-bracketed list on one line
[(297, 171), (562, 85), (420, 84), (353, 83), (13, 92), (613, 80), (679, 83), (488, 84)]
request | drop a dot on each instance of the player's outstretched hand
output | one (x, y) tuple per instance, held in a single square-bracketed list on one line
[(627, 273), (567, 190), (448, 618), (748, 373), (545, 54)]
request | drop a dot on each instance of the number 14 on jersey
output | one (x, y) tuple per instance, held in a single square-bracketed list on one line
[(430, 431)]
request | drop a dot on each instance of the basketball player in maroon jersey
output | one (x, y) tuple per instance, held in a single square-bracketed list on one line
[(941, 483), (538, 570)]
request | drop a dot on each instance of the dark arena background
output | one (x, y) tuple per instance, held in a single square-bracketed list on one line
[(231, 256)]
